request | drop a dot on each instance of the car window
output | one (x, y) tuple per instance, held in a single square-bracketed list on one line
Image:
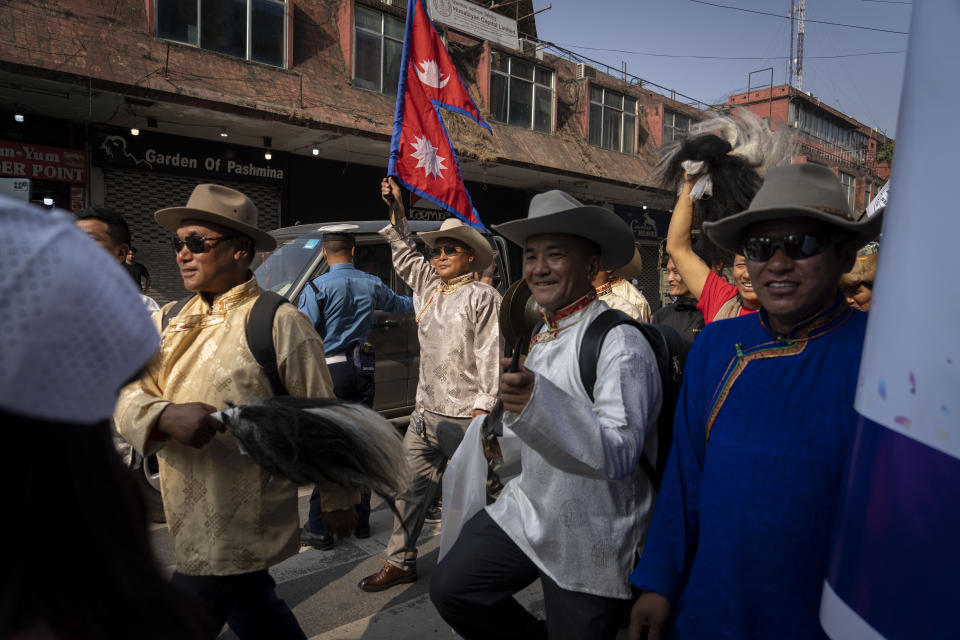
[(283, 267), (374, 259)]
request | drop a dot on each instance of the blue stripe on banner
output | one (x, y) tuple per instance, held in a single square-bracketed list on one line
[(896, 558)]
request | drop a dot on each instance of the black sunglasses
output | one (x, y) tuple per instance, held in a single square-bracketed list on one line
[(197, 244), (449, 249), (796, 246)]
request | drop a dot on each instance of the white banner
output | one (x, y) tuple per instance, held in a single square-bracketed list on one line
[(910, 370), (879, 201), (477, 21)]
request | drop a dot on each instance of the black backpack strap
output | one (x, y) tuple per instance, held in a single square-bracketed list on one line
[(174, 310), (664, 342), (260, 337)]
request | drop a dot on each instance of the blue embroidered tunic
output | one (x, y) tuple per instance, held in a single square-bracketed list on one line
[(741, 530)]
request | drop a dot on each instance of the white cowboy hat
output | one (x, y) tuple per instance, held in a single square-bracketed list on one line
[(456, 229), (221, 205), (559, 212), (802, 190)]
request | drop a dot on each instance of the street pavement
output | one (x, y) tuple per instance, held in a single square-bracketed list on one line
[(321, 586)]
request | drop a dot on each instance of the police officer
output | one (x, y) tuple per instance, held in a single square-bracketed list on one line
[(341, 303)]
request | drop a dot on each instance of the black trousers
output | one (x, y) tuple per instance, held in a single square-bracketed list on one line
[(247, 602), (350, 386), (473, 589)]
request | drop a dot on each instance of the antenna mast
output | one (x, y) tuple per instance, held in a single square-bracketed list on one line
[(802, 12)]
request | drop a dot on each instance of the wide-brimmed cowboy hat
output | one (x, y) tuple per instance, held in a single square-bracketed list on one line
[(795, 191), (559, 212), (454, 228), (519, 314), (221, 205), (634, 268)]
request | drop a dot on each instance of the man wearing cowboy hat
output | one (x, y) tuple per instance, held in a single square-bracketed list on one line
[(740, 537), (577, 513), (229, 519), (460, 347)]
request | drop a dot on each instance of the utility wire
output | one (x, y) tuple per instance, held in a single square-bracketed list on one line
[(777, 15), (675, 55), (888, 1)]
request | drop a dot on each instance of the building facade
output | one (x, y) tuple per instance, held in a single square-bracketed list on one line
[(826, 136), (131, 103)]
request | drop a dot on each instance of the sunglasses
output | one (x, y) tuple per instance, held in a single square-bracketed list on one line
[(448, 249), (197, 244), (796, 246)]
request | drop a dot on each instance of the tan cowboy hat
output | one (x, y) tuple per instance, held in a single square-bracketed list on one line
[(456, 229), (634, 268), (803, 190), (221, 205), (559, 212)]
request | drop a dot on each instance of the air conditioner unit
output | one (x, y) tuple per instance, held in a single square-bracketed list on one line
[(585, 71)]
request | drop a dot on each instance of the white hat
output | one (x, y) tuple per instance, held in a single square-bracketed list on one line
[(558, 212), (73, 328), (455, 228)]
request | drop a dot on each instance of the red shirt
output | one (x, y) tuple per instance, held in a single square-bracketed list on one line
[(716, 292)]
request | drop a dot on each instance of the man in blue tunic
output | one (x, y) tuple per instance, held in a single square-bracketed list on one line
[(739, 541), (341, 303)]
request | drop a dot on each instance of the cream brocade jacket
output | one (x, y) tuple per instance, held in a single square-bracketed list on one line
[(459, 331), (226, 515)]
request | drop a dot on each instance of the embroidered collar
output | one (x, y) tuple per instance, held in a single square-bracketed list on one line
[(605, 289), (443, 289), (232, 298), (451, 285), (554, 320), (837, 313)]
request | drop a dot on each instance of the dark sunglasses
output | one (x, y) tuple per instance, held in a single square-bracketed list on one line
[(449, 249), (796, 246), (197, 244)]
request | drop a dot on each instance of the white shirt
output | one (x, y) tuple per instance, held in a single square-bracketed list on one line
[(581, 505)]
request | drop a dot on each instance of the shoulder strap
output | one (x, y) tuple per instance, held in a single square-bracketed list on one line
[(669, 351), (174, 310), (260, 337), (592, 342), (310, 284)]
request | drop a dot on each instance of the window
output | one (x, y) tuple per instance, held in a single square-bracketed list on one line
[(521, 93), (847, 181), (867, 194), (248, 29), (675, 126), (377, 45), (613, 120)]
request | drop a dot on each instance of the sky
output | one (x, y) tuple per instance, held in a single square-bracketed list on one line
[(866, 87)]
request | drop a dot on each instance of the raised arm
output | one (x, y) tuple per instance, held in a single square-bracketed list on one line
[(408, 262), (692, 269)]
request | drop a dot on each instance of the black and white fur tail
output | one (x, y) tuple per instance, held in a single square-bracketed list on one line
[(736, 151), (305, 439)]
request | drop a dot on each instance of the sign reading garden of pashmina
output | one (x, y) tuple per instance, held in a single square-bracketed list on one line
[(18, 160), (186, 156), (469, 18)]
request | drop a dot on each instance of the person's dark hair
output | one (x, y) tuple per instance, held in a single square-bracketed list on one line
[(338, 244), (80, 562), (133, 250), (117, 227)]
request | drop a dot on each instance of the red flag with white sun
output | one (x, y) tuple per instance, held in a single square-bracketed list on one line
[(421, 155)]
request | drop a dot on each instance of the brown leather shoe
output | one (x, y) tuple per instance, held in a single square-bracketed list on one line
[(387, 577)]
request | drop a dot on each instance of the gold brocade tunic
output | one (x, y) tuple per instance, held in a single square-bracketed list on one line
[(634, 296), (226, 515), (458, 329)]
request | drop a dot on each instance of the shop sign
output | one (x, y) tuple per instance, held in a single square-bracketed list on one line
[(646, 224), (424, 209), (23, 160), (477, 21), (186, 156)]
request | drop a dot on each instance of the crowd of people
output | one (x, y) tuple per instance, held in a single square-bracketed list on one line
[(733, 544)]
